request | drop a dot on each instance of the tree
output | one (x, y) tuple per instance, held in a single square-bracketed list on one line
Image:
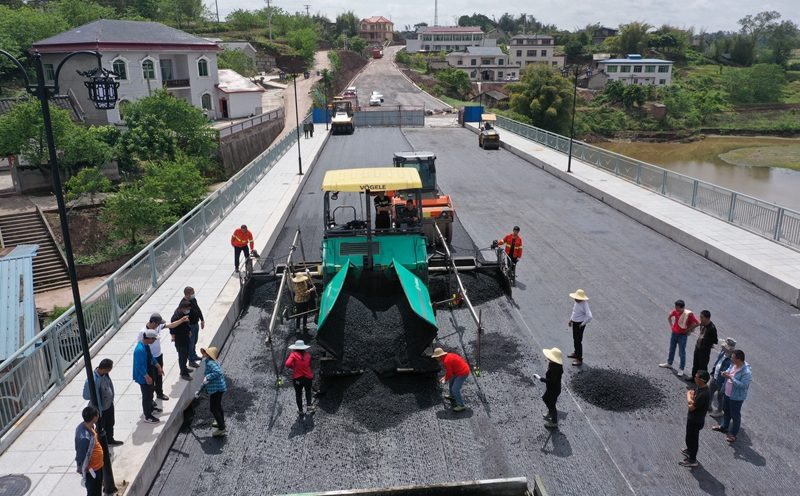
[(79, 12), (22, 131), (573, 49), (237, 60), (357, 44), (416, 26), (244, 20), (346, 23), (26, 25), (756, 26), (544, 98), (147, 138), (177, 183), (634, 93), (305, 42), (456, 81), (761, 83), (782, 39), (133, 210), (633, 37), (86, 147), (89, 181)]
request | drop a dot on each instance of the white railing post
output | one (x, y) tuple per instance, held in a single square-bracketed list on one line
[(778, 222), (731, 213)]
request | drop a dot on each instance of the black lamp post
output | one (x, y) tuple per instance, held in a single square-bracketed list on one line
[(103, 93), (294, 73), (576, 70)]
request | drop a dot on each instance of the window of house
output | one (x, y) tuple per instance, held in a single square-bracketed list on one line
[(531, 53), (148, 69), (426, 37), (519, 53), (206, 101), (448, 37), (202, 68), (460, 62), (473, 62), (555, 63), (166, 69), (635, 81), (486, 61), (637, 68), (473, 74), (624, 68), (500, 61), (662, 81), (50, 72), (544, 53), (121, 68), (477, 37), (499, 74), (649, 68), (513, 74), (545, 42), (611, 68), (438, 37), (663, 68)]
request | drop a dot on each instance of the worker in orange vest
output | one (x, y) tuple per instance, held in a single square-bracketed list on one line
[(513, 244), (239, 241)]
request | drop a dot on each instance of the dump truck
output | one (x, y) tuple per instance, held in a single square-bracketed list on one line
[(488, 138), (342, 120), (437, 208)]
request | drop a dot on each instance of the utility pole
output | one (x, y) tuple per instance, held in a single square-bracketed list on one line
[(524, 23), (436, 13), (307, 13), (269, 18)]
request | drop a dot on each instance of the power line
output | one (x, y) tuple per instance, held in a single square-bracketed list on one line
[(307, 12)]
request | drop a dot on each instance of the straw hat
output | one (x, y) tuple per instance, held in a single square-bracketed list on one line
[(554, 355), (299, 345), (299, 277), (213, 352), (579, 295), (729, 344), (438, 352)]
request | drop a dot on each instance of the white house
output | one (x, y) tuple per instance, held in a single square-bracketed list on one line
[(447, 39), (525, 50), (146, 56), (238, 95), (636, 70), (483, 63)]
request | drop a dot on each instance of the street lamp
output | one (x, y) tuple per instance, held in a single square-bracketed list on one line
[(294, 73), (103, 93), (576, 70)]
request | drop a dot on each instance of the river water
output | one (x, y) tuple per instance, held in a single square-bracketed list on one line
[(700, 160)]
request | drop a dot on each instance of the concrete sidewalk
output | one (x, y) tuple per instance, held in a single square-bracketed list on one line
[(45, 451), (771, 266)]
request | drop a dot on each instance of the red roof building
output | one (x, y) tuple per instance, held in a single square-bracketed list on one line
[(376, 29)]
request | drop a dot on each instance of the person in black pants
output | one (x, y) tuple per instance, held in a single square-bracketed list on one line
[(702, 348), (182, 336), (698, 401), (552, 378), (383, 207)]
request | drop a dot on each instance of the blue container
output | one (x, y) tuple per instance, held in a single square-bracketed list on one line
[(472, 114), (319, 115)]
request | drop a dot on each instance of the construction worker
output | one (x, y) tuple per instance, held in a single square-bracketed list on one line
[(513, 244), (383, 207), (302, 297), (240, 239), (456, 372)]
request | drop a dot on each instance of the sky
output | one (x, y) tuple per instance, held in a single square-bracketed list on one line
[(711, 15)]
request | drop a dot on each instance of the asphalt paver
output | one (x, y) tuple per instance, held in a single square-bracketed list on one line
[(374, 431)]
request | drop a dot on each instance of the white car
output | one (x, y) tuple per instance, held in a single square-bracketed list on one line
[(374, 101), (377, 94)]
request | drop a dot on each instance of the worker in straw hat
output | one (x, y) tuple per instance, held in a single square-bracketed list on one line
[(552, 378), (215, 385), (456, 371), (302, 297), (300, 363), (581, 315)]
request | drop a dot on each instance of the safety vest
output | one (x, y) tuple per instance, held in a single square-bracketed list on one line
[(517, 245), (240, 239)]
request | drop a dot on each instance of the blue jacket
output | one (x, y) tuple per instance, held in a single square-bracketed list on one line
[(85, 441), (726, 362), (216, 381), (140, 363), (741, 382)]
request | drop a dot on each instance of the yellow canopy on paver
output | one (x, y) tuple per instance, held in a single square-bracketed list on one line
[(373, 179)]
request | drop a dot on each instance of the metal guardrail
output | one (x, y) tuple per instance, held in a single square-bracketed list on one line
[(238, 127), (767, 219), (44, 362)]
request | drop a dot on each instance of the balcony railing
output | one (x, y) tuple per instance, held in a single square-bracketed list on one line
[(177, 83)]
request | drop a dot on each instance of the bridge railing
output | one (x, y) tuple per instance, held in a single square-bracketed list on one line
[(767, 219), (47, 360)]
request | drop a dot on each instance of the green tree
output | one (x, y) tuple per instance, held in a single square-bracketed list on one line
[(633, 37), (634, 93), (456, 82), (346, 23), (244, 20), (147, 138), (743, 50), (177, 182), (782, 39), (573, 49), (305, 42), (544, 98), (756, 26), (86, 147), (27, 25), (79, 12), (22, 131), (237, 60), (761, 83), (402, 57), (357, 44), (89, 181), (133, 210)]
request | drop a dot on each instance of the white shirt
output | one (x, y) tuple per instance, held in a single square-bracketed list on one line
[(155, 348), (581, 312)]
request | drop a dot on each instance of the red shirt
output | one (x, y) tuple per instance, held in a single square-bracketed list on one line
[(678, 329), (240, 238), (454, 365), (517, 248), (301, 364)]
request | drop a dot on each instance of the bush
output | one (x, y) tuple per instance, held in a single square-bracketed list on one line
[(762, 83), (402, 58)]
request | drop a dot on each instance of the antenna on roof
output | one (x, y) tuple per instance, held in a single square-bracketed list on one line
[(435, 12)]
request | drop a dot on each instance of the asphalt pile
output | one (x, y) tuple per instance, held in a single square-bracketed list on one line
[(617, 391)]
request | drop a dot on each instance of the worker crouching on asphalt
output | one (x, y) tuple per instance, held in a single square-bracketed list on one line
[(300, 362), (456, 371), (302, 297), (552, 378), (214, 382)]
